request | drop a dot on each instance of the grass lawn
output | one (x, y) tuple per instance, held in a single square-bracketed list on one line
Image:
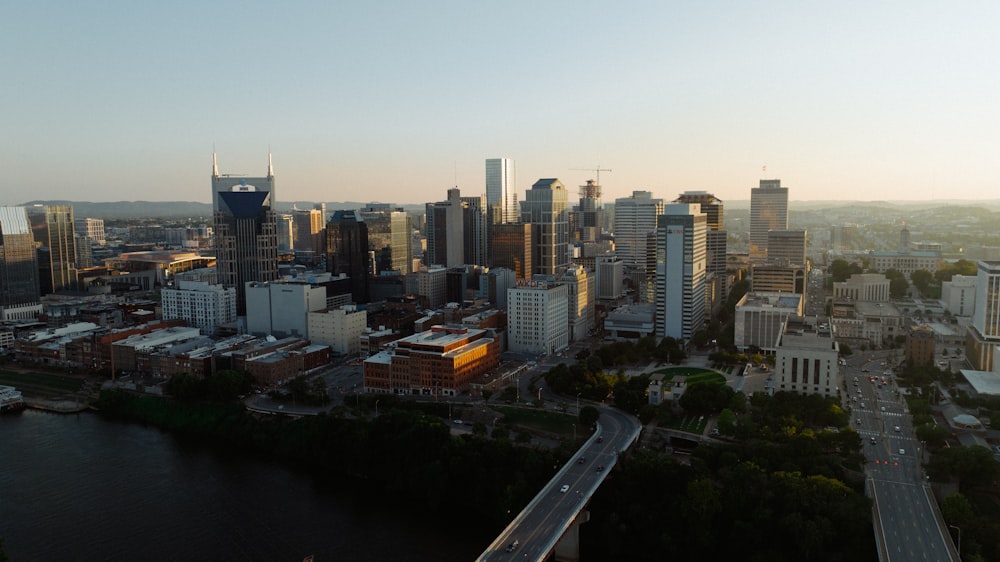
[(41, 385), (706, 376), (689, 423), (552, 422), (693, 374)]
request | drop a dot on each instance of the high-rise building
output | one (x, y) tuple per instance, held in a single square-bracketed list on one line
[(19, 289), (286, 229), (680, 271), (446, 231), (307, 230), (786, 247), (389, 231), (54, 230), (537, 317), (983, 339), (347, 251), (768, 211), (609, 277), (546, 209), (511, 245), (635, 217), (246, 239), (501, 188), (475, 230), (716, 280), (589, 213), (580, 295), (91, 228), (222, 183)]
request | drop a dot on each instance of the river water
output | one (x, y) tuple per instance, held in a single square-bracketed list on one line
[(77, 487)]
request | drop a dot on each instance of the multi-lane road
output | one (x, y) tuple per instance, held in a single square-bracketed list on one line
[(907, 526), (533, 534)]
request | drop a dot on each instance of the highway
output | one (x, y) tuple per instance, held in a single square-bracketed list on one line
[(907, 527), (546, 518)]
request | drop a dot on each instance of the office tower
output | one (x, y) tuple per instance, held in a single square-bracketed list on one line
[(246, 240), (537, 318), (19, 288), (445, 231), (286, 236), (680, 271), (223, 183), (768, 211), (307, 230), (511, 245), (716, 287), (347, 251), (475, 227), (580, 292), (546, 209), (501, 189), (389, 231), (610, 276), (786, 247), (635, 217), (91, 228), (84, 252), (54, 230), (983, 337), (589, 213)]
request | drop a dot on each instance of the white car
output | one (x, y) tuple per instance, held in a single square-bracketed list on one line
[(902, 451), (564, 489)]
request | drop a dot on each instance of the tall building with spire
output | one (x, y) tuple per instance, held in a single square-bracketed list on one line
[(19, 290), (246, 231), (222, 183)]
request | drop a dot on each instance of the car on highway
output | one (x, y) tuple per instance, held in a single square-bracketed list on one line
[(564, 489), (600, 468), (902, 451), (859, 421), (872, 440), (582, 460), (512, 546), (600, 439), (896, 429)]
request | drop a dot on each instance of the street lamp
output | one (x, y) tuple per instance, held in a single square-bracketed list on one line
[(959, 540), (578, 403), (376, 408)]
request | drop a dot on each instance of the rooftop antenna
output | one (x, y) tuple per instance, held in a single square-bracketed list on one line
[(215, 162)]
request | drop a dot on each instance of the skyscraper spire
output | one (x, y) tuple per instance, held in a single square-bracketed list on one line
[(270, 167), (215, 164)]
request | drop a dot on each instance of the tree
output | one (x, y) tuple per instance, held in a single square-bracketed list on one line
[(588, 416), (921, 279)]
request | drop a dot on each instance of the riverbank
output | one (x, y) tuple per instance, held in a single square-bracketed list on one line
[(52, 392)]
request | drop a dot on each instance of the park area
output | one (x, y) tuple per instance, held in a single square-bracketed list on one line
[(47, 386), (691, 375)]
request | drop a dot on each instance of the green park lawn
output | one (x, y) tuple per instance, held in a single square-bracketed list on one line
[(541, 420), (41, 385)]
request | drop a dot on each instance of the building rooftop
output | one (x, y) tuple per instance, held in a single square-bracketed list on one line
[(984, 382)]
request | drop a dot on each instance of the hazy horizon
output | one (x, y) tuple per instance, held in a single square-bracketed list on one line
[(399, 101)]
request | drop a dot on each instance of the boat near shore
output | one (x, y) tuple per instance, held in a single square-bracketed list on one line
[(10, 400)]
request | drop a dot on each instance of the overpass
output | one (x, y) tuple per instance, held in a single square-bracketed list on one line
[(549, 523)]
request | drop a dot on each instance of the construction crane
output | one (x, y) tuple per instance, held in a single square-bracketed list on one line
[(596, 170)]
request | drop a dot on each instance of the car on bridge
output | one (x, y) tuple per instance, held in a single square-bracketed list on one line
[(512, 546), (564, 489)]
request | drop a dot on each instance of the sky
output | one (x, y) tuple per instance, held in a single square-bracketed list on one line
[(399, 101)]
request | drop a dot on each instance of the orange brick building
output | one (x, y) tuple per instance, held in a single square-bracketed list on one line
[(441, 361)]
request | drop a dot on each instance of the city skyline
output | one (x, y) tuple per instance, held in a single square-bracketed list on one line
[(399, 102)]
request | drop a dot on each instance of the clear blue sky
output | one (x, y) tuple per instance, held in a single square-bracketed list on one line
[(398, 101)]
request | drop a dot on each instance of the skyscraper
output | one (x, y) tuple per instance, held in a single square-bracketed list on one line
[(635, 217), (19, 289), (983, 337), (768, 211), (501, 189), (589, 215), (246, 239), (389, 232), (445, 231), (54, 231), (222, 183), (347, 251), (680, 271), (716, 287), (307, 230), (511, 245), (475, 229), (546, 209)]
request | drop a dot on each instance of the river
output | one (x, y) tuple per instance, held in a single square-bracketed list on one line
[(77, 487)]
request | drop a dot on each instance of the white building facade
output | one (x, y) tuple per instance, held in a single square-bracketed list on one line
[(680, 271), (538, 317), (806, 359), (202, 305), (340, 328)]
